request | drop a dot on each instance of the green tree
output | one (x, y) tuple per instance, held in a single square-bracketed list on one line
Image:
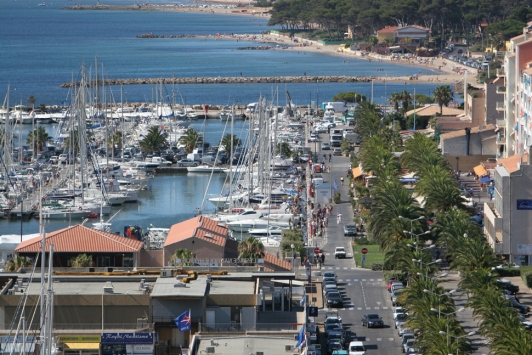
[(395, 99), (405, 100), (31, 101), (226, 142), (82, 260), (37, 138), (182, 256), (17, 263), (442, 95), (115, 141), (154, 141), (283, 148), (349, 96), (191, 140), (250, 248)]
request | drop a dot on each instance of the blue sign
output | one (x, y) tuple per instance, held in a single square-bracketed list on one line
[(127, 338), (313, 311), (524, 204)]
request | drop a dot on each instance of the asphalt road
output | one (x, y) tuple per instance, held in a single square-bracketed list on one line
[(364, 291)]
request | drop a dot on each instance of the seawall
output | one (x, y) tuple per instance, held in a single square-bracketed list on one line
[(233, 80)]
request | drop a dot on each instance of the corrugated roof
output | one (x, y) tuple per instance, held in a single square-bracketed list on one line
[(434, 109), (461, 132), (200, 227), (81, 239), (511, 164)]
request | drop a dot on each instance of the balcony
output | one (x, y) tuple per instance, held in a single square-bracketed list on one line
[(500, 106), (501, 73), (501, 90)]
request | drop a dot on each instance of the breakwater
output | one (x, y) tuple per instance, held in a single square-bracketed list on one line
[(233, 80)]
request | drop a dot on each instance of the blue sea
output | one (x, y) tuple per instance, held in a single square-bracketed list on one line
[(42, 47)]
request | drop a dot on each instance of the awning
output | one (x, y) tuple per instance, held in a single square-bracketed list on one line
[(356, 172), (485, 179), (81, 346), (480, 170)]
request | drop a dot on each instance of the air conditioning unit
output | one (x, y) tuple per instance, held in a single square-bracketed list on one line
[(167, 273), (288, 347), (210, 349)]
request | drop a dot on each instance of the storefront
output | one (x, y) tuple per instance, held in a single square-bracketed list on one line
[(15, 345), (80, 344), (128, 343)]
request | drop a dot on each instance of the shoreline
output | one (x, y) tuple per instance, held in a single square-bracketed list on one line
[(445, 71)]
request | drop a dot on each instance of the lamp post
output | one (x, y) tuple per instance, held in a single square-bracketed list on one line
[(415, 245), (412, 221), (460, 337), (439, 295), (448, 314), (292, 246), (416, 235), (420, 261)]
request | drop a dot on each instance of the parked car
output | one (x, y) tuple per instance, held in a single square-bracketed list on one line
[(397, 286), (402, 329), (408, 344), (507, 285), (521, 308), (404, 339), (339, 253), (325, 146), (390, 282), (395, 295), (187, 162), (356, 348), (350, 230), (329, 274), (334, 299), (372, 320), (400, 319), (337, 151), (334, 320), (54, 159)]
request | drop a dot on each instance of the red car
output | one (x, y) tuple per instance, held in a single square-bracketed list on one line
[(390, 282), (317, 168)]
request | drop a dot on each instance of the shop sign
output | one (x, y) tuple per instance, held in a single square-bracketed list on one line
[(127, 338), (139, 349), (524, 249), (524, 204), (79, 338)]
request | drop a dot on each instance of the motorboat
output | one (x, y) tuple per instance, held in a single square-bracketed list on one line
[(272, 230), (247, 213), (205, 169), (224, 201), (280, 220), (64, 213)]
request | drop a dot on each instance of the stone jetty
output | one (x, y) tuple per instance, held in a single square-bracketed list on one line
[(234, 80)]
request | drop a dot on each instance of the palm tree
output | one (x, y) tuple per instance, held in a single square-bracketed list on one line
[(31, 101), (82, 260), (226, 142), (395, 98), (250, 248), (183, 255), (417, 149), (115, 140), (190, 140), (154, 141), (283, 148), (439, 190), (405, 99), (442, 95), (37, 138)]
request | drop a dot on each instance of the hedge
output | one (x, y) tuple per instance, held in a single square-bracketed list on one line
[(377, 266), (509, 272), (526, 275)]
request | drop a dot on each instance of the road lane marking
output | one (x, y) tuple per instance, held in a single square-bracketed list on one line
[(368, 308), (352, 308), (340, 280), (345, 268), (379, 339), (363, 280), (371, 280), (376, 308), (347, 280), (356, 280), (380, 280), (390, 339), (384, 307), (359, 308), (338, 268), (349, 284)]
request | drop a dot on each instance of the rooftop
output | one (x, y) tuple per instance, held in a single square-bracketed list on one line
[(228, 287), (87, 288), (512, 164), (200, 227), (461, 132), (81, 239), (166, 287), (431, 110), (244, 345)]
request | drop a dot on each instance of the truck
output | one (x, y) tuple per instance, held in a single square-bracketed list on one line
[(194, 156), (336, 140), (339, 253)]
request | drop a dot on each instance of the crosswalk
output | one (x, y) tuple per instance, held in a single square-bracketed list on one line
[(362, 280)]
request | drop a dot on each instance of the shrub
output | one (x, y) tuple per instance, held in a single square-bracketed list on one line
[(526, 275), (337, 198), (377, 266), (509, 272), (395, 275)]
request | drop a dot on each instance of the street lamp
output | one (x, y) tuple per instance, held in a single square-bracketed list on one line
[(412, 220), (439, 295), (420, 261), (460, 337), (416, 235), (447, 314)]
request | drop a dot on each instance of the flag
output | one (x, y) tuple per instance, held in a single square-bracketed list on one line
[(303, 300), (301, 338), (335, 185), (183, 321)]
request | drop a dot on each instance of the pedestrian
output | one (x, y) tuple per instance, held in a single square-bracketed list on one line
[(342, 180), (330, 157), (339, 218), (322, 259)]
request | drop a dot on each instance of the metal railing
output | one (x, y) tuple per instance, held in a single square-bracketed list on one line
[(83, 326), (238, 328)]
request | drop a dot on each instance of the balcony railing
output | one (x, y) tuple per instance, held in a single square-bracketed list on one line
[(501, 124), (501, 73), (500, 106), (85, 326), (501, 90), (237, 327)]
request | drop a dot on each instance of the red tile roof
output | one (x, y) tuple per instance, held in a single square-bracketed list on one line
[(200, 227), (390, 29), (81, 239), (274, 263), (512, 163)]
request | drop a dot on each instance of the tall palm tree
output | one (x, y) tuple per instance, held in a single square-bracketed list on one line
[(115, 140), (405, 99), (226, 142), (395, 99), (154, 141), (191, 140), (442, 95), (250, 248), (417, 149), (31, 101), (37, 138)]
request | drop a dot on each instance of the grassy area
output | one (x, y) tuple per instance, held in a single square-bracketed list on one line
[(373, 255)]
